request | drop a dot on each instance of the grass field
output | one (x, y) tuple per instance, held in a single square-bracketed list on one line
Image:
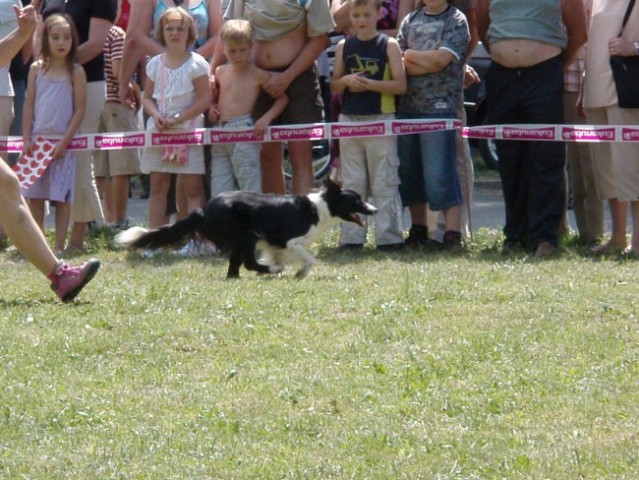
[(376, 366)]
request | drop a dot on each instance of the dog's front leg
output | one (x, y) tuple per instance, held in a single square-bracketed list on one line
[(306, 258), (250, 262), (235, 261)]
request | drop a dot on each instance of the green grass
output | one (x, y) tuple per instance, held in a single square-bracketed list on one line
[(406, 365)]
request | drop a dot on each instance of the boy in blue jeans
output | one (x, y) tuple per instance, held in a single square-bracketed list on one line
[(434, 40), (369, 73)]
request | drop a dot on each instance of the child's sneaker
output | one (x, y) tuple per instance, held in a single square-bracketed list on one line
[(196, 248), (67, 281)]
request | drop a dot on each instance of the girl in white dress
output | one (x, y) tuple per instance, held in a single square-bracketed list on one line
[(176, 94)]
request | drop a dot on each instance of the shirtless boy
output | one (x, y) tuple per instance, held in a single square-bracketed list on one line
[(239, 83)]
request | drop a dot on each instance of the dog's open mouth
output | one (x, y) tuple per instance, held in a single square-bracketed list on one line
[(355, 218)]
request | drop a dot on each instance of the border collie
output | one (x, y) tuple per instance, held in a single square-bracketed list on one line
[(280, 227)]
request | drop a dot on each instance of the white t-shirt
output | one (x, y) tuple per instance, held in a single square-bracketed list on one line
[(174, 91)]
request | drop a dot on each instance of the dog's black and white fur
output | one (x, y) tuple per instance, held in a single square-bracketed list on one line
[(280, 227)]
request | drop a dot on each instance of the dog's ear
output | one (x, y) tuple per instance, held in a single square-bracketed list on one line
[(331, 186)]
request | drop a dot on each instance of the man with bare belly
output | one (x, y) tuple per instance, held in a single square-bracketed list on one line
[(530, 44), (289, 36)]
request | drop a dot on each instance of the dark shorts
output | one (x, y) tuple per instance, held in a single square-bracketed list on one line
[(304, 101)]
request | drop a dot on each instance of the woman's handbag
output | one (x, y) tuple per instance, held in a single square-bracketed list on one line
[(625, 71)]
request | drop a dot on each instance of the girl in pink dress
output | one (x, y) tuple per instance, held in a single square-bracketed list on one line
[(54, 108)]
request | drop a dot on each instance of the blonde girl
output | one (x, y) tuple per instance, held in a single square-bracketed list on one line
[(176, 94), (54, 107)]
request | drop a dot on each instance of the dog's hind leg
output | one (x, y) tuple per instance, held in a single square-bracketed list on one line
[(306, 258)]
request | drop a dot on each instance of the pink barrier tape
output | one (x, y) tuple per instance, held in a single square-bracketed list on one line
[(319, 131)]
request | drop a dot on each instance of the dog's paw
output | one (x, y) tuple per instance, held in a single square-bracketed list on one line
[(303, 272), (276, 268)]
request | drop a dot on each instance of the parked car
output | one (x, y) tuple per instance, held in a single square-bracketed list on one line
[(475, 105)]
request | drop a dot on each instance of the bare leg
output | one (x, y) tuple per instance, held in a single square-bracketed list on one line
[(452, 218), (160, 183), (19, 225), (193, 192), (618, 241), (105, 190), (634, 209), (62, 220), (37, 211), (419, 214), (302, 165), (181, 199), (271, 158), (120, 186), (78, 231), (619, 214)]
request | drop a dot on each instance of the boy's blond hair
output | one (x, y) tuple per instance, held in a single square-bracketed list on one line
[(176, 13), (377, 4), (236, 31)]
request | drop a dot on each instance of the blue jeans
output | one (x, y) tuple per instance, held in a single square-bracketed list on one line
[(532, 172), (428, 166)]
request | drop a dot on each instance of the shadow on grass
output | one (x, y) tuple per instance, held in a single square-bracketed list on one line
[(486, 246), (30, 303)]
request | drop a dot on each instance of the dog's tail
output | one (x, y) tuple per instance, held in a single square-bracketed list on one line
[(138, 237)]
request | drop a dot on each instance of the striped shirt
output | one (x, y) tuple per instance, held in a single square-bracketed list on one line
[(113, 48)]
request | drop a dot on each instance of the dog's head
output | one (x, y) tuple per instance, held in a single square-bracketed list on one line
[(345, 204)]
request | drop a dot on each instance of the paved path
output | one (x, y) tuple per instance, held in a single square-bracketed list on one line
[(487, 209)]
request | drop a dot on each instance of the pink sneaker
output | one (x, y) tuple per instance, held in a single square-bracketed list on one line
[(67, 280)]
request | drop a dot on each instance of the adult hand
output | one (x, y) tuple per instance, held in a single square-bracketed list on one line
[(470, 76), (276, 85), (133, 97), (214, 113), (27, 18), (621, 47), (214, 89)]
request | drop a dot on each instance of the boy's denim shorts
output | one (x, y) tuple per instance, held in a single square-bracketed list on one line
[(428, 166)]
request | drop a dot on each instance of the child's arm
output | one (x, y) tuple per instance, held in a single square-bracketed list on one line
[(338, 84), (418, 62), (133, 97), (201, 104), (27, 109), (79, 81), (214, 81), (272, 113), (149, 105)]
